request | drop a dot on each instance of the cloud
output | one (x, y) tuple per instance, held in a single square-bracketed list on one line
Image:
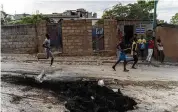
[(165, 10)]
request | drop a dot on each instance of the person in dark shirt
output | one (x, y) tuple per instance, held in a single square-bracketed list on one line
[(122, 56), (134, 52)]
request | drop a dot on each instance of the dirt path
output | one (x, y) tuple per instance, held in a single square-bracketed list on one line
[(154, 88)]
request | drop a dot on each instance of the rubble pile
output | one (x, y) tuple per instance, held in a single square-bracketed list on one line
[(89, 97), (82, 96)]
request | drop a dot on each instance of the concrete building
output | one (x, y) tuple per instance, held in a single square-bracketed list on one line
[(5, 18), (20, 16), (3, 15), (71, 15), (127, 28)]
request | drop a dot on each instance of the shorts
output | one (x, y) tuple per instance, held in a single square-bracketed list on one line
[(118, 54), (49, 53), (122, 56)]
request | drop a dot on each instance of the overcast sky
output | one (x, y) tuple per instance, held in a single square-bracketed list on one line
[(166, 8)]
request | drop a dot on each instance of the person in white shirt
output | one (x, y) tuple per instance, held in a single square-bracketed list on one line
[(46, 45), (160, 51)]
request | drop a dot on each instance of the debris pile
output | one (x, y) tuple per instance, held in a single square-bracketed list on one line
[(89, 97), (82, 96)]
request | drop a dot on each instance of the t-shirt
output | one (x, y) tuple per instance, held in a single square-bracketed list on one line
[(160, 46), (151, 44), (141, 41), (47, 43), (122, 46), (134, 48)]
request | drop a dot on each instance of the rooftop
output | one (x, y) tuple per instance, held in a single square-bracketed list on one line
[(59, 15), (168, 25)]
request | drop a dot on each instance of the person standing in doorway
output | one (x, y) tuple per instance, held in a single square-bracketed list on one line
[(160, 51), (150, 50), (122, 56), (142, 43), (46, 45), (134, 52)]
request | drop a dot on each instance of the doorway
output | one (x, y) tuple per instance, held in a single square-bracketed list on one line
[(129, 32), (55, 32)]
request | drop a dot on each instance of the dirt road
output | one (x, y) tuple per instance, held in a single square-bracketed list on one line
[(154, 88)]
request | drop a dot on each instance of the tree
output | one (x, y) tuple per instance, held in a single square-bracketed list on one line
[(174, 19), (160, 21), (31, 19), (140, 10)]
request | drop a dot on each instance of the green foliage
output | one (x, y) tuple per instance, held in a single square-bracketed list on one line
[(160, 21), (140, 10), (101, 21), (174, 19), (31, 20)]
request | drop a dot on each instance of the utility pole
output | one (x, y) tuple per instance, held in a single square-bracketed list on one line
[(2, 9), (154, 15)]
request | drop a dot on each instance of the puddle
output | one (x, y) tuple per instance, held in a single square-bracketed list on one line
[(78, 95)]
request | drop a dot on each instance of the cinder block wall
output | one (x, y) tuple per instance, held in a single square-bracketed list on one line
[(169, 38), (18, 39), (77, 37), (41, 35), (110, 36)]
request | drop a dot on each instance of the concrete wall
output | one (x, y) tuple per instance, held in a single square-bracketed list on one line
[(77, 37), (169, 38), (41, 32), (18, 39), (110, 36)]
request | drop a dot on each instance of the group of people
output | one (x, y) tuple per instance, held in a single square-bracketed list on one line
[(139, 46), (122, 50)]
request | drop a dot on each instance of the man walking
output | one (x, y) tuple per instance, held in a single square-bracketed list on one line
[(46, 45), (150, 50), (122, 56)]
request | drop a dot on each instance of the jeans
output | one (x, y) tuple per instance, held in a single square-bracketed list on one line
[(150, 53), (142, 52), (161, 56)]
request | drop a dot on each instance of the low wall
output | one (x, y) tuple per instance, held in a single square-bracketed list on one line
[(169, 38), (18, 39), (77, 37), (110, 36)]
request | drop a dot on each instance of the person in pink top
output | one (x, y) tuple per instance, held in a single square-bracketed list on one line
[(150, 50)]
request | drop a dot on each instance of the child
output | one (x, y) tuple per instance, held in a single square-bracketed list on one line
[(160, 50), (150, 50), (134, 52), (142, 43), (122, 56), (46, 45)]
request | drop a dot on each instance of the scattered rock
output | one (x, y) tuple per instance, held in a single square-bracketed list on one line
[(101, 83), (16, 99), (49, 107)]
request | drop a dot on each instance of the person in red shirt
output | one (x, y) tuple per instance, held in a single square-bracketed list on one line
[(150, 50)]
